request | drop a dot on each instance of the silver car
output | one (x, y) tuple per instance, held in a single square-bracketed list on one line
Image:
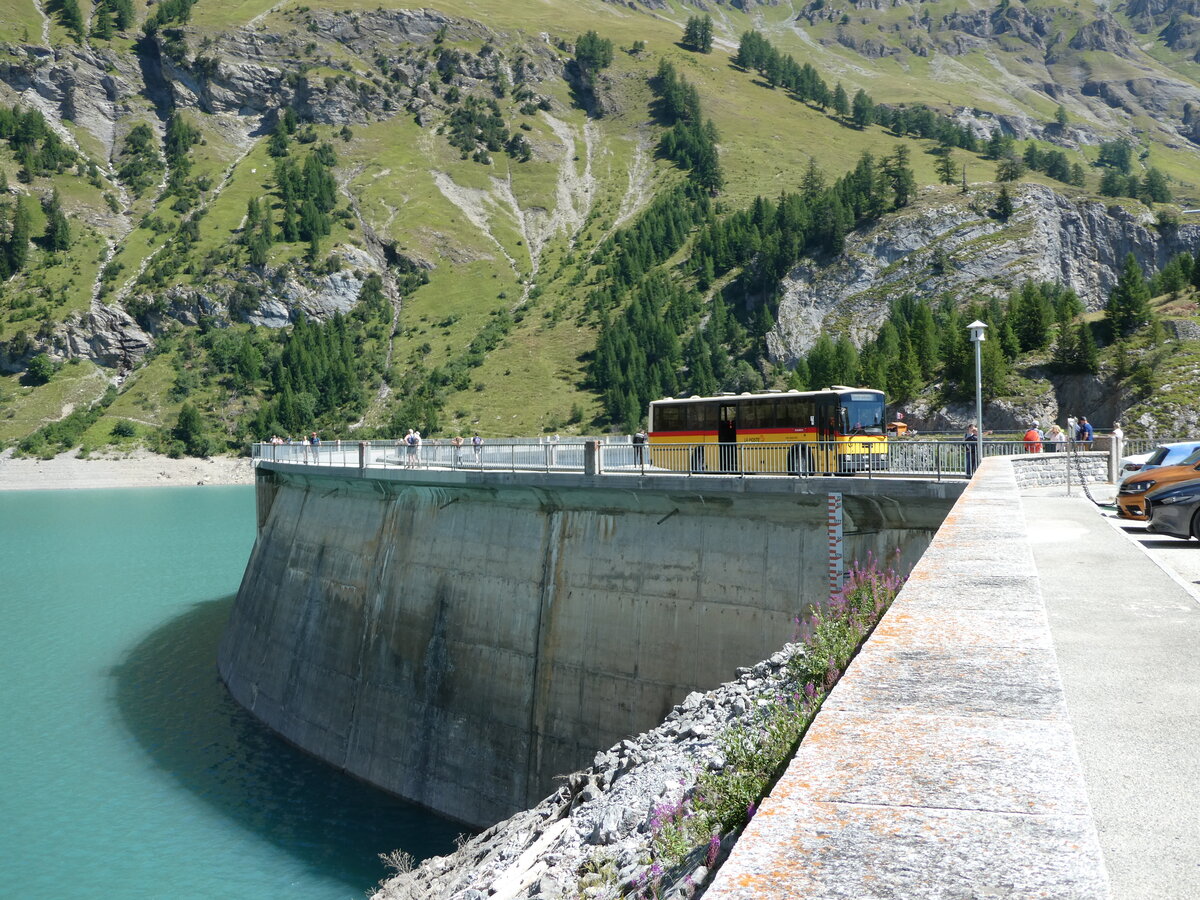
[(1163, 455)]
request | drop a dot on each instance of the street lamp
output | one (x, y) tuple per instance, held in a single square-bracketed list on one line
[(977, 330)]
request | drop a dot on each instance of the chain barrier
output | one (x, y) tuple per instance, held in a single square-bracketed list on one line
[(1073, 457)]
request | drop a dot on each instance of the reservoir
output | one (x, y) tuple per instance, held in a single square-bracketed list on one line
[(128, 771)]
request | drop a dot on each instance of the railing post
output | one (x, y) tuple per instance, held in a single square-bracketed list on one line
[(591, 458)]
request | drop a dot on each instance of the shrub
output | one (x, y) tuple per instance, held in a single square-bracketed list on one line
[(758, 748)]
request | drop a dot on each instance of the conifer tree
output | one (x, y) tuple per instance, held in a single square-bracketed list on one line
[(58, 230), (822, 362), (1128, 306), (698, 33), (1065, 342), (841, 103), (863, 109), (903, 182), (904, 376), (947, 169), (17, 249), (1086, 358), (1004, 204), (799, 379)]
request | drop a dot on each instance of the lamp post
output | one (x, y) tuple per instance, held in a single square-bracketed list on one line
[(977, 330)]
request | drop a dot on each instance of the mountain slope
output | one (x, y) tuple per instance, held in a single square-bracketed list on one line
[(464, 156)]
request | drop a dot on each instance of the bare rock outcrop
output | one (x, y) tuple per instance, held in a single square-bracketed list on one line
[(592, 837), (950, 243)]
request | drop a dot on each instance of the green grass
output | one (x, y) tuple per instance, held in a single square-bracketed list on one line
[(25, 409), (20, 22)]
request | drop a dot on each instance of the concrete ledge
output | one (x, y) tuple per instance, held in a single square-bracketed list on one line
[(943, 764)]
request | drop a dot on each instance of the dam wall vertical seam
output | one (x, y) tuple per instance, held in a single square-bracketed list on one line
[(461, 644), (542, 669)]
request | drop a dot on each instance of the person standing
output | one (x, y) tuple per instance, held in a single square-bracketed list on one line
[(410, 450), (417, 449), (456, 442), (972, 441), (477, 449), (639, 442), (1055, 438), (1085, 433), (1033, 439)]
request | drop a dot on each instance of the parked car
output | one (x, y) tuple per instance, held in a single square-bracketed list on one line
[(1164, 455), (1174, 509), (1131, 495)]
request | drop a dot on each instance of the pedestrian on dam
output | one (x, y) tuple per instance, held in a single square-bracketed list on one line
[(410, 450), (1033, 439), (456, 442), (639, 447), (477, 449), (972, 441), (417, 449), (1084, 433), (1055, 438)]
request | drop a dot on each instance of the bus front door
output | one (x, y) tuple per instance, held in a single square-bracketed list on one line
[(828, 417), (727, 438)]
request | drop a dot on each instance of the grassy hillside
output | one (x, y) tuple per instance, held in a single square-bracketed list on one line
[(489, 250)]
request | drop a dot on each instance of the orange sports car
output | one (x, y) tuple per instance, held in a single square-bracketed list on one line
[(1131, 495)]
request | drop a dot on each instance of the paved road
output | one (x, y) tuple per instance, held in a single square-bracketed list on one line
[(1180, 559), (1126, 632)]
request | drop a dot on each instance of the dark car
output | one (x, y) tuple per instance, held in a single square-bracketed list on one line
[(1174, 509)]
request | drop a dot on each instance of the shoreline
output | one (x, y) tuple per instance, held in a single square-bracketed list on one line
[(133, 470)]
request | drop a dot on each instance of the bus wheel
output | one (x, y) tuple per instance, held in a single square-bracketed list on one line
[(697, 459), (798, 461)]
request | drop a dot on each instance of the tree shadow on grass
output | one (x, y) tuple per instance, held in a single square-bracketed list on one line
[(173, 703)]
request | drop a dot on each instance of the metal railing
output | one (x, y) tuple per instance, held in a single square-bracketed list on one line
[(905, 458)]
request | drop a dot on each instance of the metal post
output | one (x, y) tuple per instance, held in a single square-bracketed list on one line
[(977, 331)]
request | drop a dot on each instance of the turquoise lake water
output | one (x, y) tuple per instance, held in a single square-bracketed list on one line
[(127, 770)]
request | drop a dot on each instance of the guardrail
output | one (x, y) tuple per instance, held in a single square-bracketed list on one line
[(905, 458)]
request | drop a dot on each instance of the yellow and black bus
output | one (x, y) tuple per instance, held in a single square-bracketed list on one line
[(841, 430)]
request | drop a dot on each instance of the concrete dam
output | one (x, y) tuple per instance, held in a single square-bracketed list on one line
[(460, 638)]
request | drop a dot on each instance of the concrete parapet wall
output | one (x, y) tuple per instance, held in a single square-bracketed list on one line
[(461, 638), (1047, 469), (943, 763)]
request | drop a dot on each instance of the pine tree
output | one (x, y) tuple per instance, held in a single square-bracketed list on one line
[(799, 379), (947, 169), (1086, 357), (58, 230), (1065, 344), (1004, 204), (841, 103), (863, 109), (903, 182), (1128, 306), (189, 430), (17, 249), (122, 11), (1154, 187), (822, 365), (1009, 169), (904, 376)]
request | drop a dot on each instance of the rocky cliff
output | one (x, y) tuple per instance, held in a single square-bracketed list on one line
[(950, 242)]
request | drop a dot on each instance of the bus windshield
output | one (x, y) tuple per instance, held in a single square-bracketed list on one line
[(863, 412)]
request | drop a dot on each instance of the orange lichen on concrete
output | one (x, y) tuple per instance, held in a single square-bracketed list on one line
[(944, 756)]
